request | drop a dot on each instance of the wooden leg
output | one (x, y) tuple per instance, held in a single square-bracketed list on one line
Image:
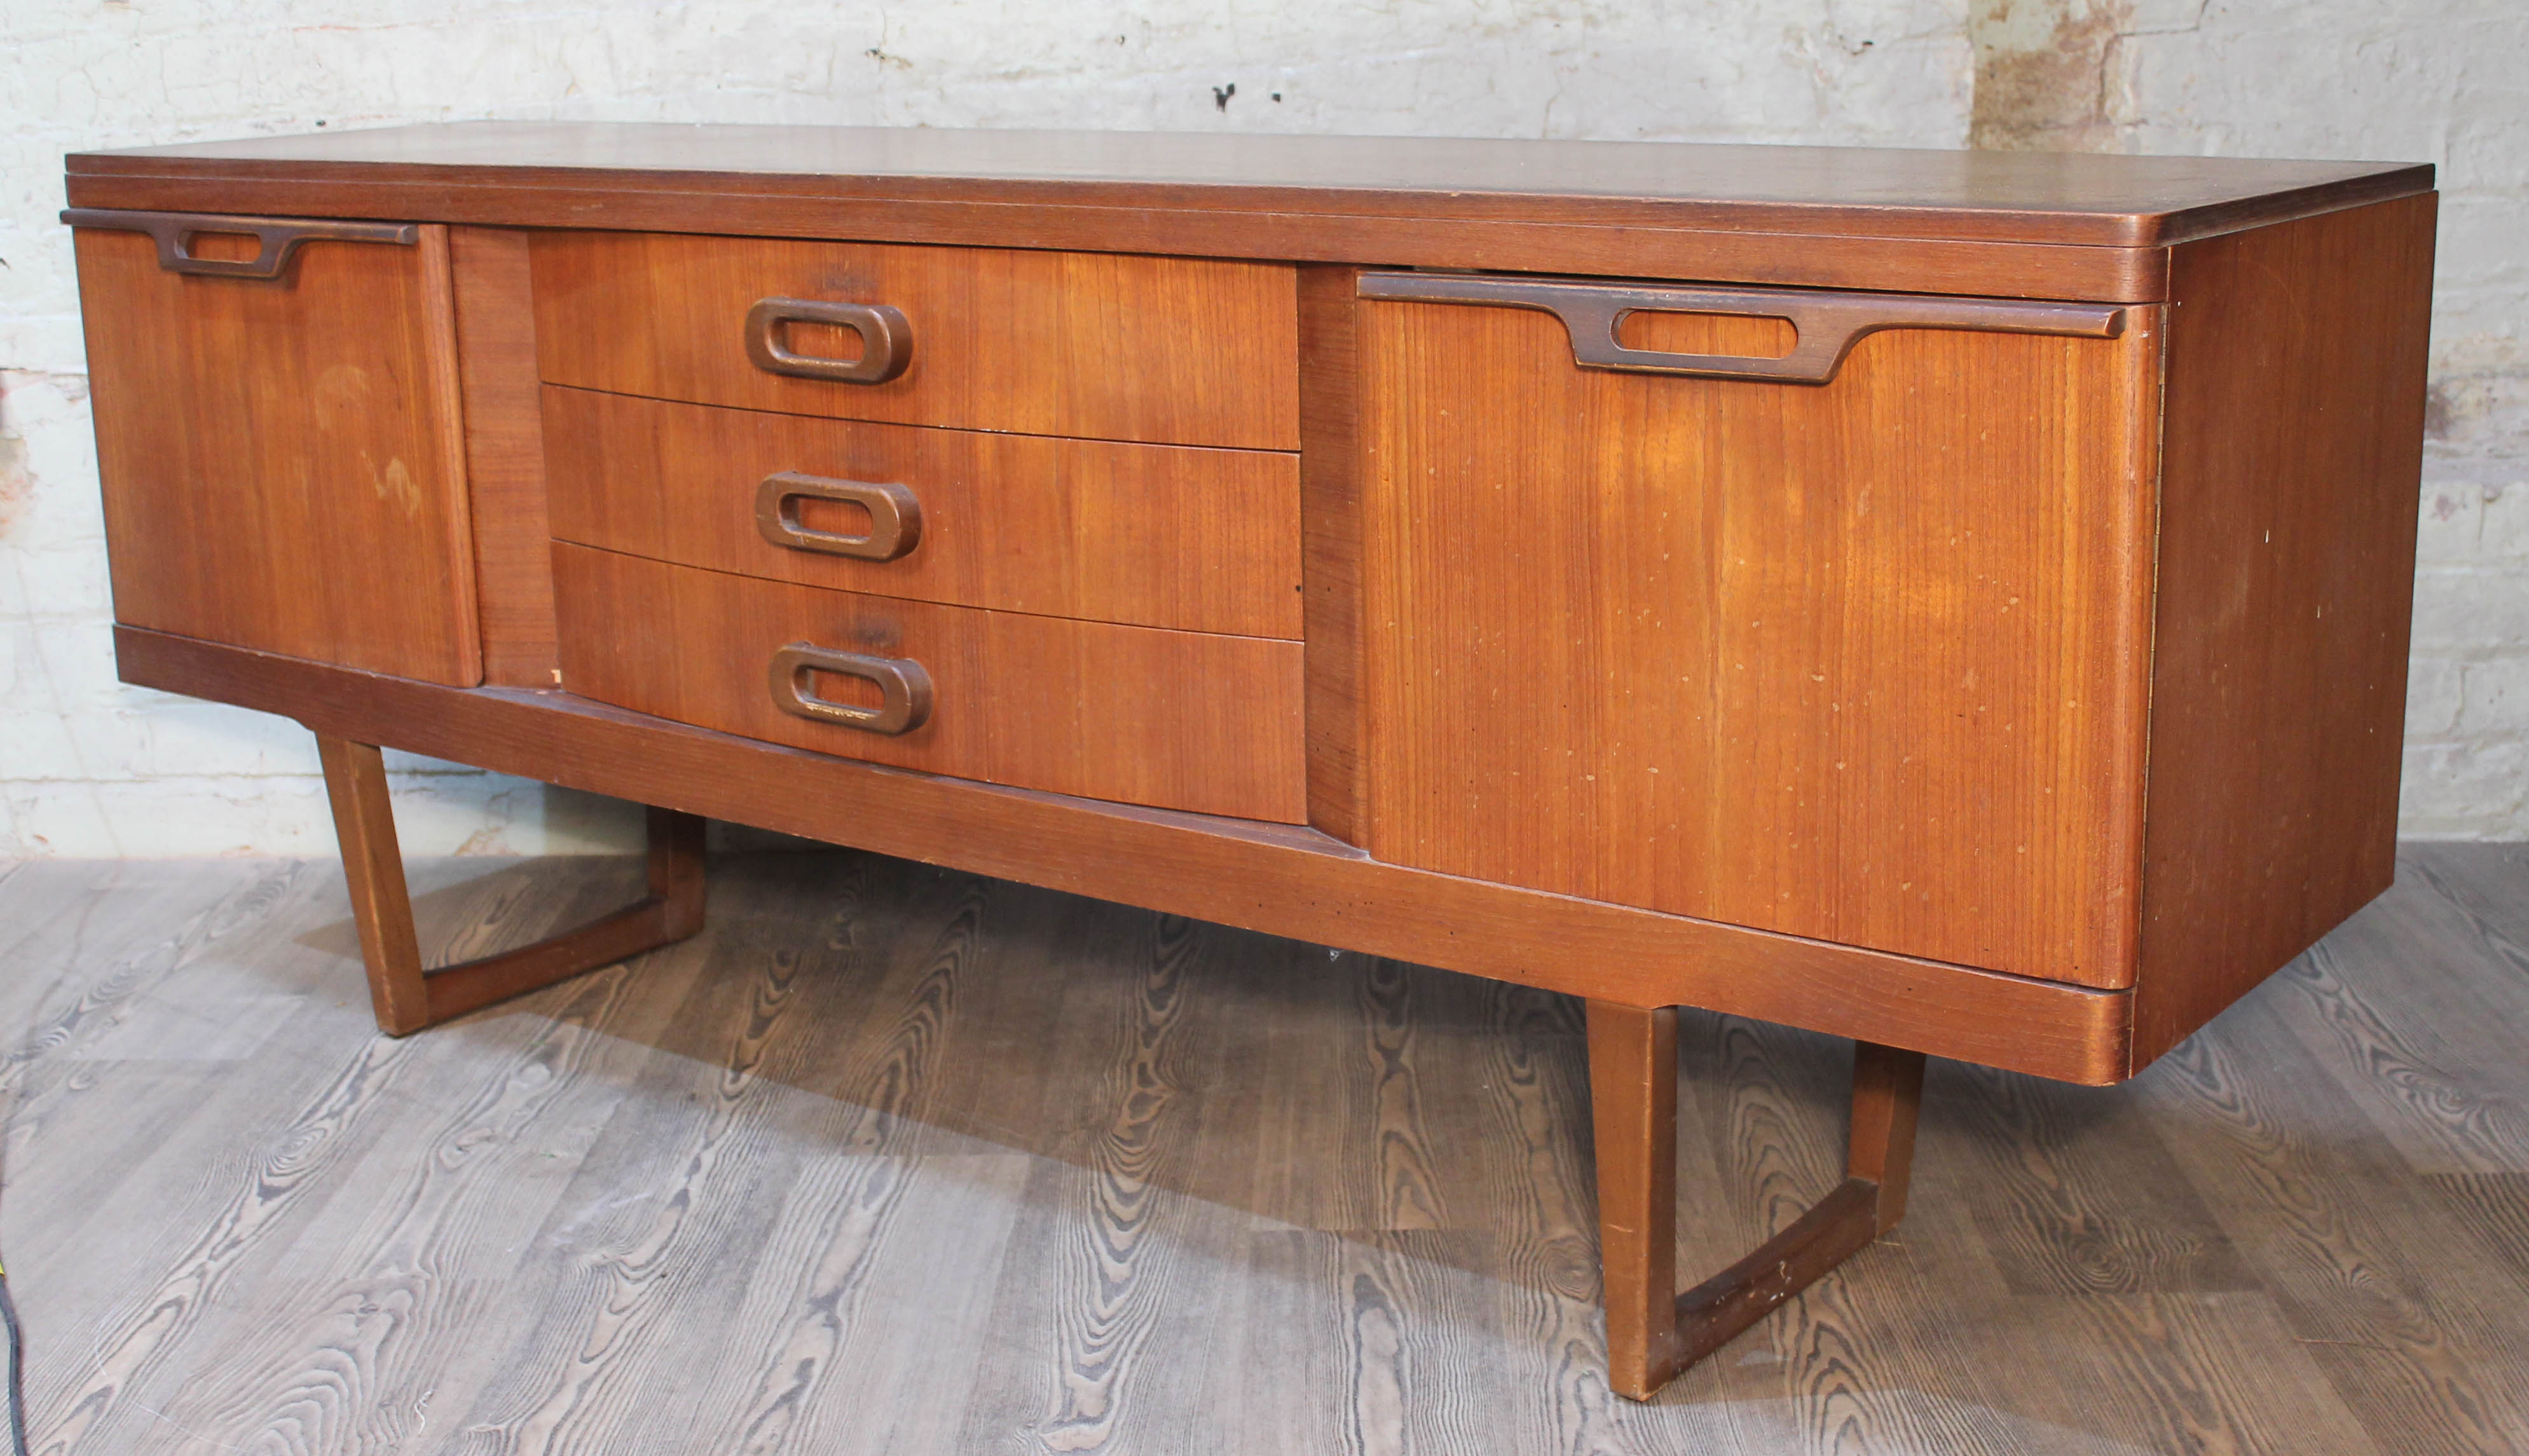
[(408, 997), (1652, 1330), (1633, 1103)]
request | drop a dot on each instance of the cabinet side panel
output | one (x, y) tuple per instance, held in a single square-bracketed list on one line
[(281, 457), (505, 462), (2294, 447), (1330, 548)]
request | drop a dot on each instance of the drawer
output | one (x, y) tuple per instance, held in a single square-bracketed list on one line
[(1159, 536), (1182, 720), (1094, 346)]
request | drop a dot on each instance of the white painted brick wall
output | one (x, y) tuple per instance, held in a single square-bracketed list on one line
[(89, 766)]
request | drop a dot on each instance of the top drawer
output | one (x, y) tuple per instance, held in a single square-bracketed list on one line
[(1091, 346)]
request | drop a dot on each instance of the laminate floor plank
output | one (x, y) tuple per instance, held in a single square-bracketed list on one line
[(401, 1285), (2078, 1195), (2164, 1372), (883, 1266), (2428, 1051), (858, 1336), (87, 942), (246, 1201), (1511, 1276), (2494, 1207), (1530, 1051), (894, 1159), (137, 1354), (656, 1237), (1109, 1282), (1321, 1085), (153, 1182), (2484, 881), (2370, 1275)]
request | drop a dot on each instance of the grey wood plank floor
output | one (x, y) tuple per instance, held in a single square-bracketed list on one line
[(898, 1160)]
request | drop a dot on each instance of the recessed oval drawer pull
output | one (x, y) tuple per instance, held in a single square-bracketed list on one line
[(886, 340), (895, 515), (904, 689)]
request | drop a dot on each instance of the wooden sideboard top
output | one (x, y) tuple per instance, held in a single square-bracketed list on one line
[(1365, 198)]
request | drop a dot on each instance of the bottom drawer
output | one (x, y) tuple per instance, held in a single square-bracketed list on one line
[(1182, 720)]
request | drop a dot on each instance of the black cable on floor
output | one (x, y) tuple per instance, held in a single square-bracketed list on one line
[(17, 1368)]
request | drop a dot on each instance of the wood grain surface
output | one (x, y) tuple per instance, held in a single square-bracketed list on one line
[(1159, 536), (256, 438), (2050, 226), (1170, 719), (2294, 451), (1633, 1109), (505, 453), (1283, 879), (1862, 661), (1166, 350), (2096, 200), (2013, 270), (897, 1160), (407, 995), (1331, 536)]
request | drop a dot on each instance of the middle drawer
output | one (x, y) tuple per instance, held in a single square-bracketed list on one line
[(1158, 535)]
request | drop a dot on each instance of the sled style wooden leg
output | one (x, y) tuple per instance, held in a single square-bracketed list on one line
[(1654, 1331), (409, 998)]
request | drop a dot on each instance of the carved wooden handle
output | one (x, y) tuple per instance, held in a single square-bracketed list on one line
[(886, 340), (895, 516), (904, 689), (1827, 323), (277, 240)]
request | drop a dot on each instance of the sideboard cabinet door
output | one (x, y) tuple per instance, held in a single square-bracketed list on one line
[(282, 456), (1861, 659)]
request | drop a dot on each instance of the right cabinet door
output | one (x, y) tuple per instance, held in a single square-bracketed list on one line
[(1861, 659)]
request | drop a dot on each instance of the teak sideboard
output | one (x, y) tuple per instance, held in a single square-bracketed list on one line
[(1957, 601)]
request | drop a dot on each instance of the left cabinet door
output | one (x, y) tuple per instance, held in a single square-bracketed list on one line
[(282, 456)]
